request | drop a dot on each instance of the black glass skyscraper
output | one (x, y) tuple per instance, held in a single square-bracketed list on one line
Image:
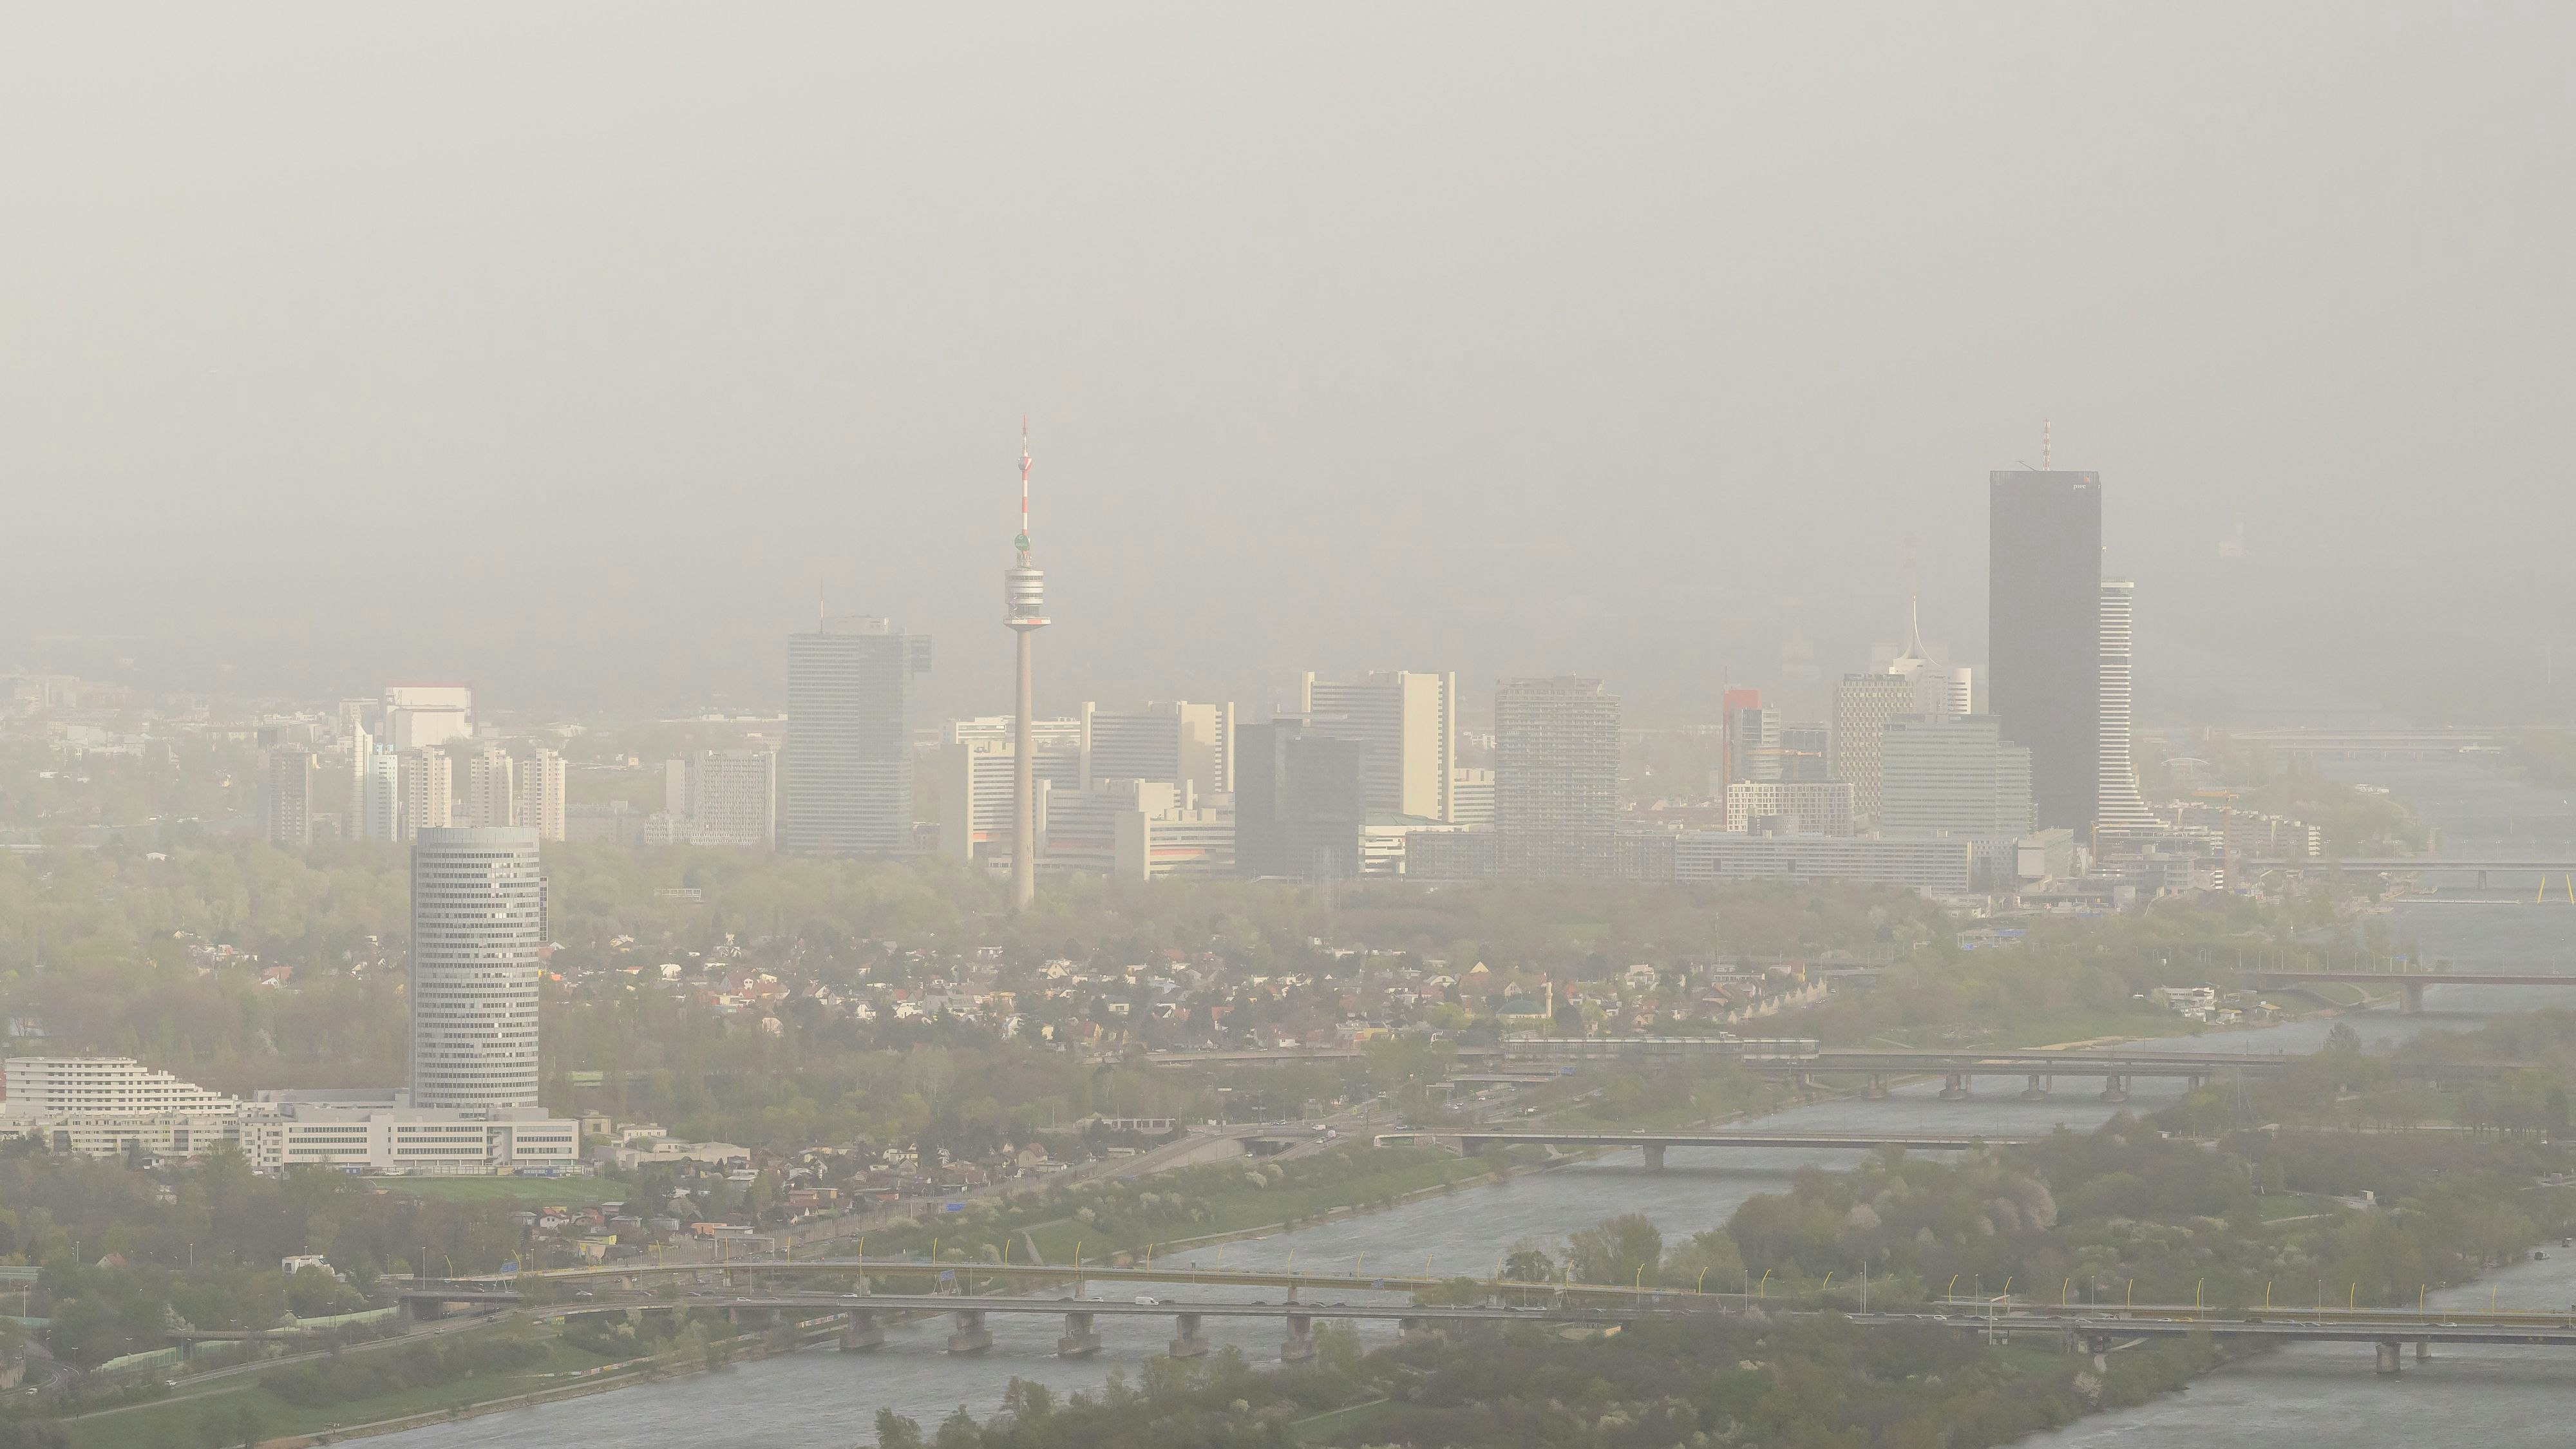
[(2044, 634)]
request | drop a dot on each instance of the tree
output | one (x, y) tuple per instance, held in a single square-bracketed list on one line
[(894, 1431), (1624, 1250), (1526, 1264), (958, 1431)]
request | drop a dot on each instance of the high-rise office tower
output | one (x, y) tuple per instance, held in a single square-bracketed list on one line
[(286, 797), (491, 788), (1752, 742), (733, 798), (1952, 775), (1806, 752), (429, 790), (477, 917), (1184, 743), (543, 804), (1863, 704), (1300, 802), (2118, 806), (847, 773), (1024, 610), (2044, 634), (1732, 755), (1407, 728), (1556, 775)]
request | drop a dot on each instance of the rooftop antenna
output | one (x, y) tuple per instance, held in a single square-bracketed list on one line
[(1914, 606), (2043, 445), (819, 614)]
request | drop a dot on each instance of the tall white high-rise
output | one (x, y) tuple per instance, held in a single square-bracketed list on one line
[(542, 802), (379, 811), (477, 921), (2117, 804), (491, 788), (429, 790)]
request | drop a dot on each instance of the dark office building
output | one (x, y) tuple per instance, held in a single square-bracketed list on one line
[(846, 777), (1298, 804), (2044, 634)]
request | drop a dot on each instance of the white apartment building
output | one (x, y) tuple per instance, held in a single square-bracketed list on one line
[(491, 789), (49, 1086), (379, 813), (429, 791), (544, 806), (1819, 807)]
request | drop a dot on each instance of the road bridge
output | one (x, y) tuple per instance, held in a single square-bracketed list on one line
[(865, 1315), (1959, 1070), (626, 1276), (2411, 984), (1655, 1144), (2544, 865), (2389, 1332)]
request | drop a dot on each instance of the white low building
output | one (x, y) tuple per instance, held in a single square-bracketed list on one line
[(409, 1141), (115, 1107)]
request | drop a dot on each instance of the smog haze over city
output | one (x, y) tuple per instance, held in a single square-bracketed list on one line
[(797, 726), (572, 349)]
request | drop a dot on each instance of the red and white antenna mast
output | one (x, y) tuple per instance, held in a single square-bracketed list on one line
[(1023, 539)]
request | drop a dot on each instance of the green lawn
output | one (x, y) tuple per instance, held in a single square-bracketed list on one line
[(522, 1190), (176, 1424)]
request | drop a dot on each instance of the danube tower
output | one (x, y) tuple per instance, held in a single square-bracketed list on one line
[(1024, 600)]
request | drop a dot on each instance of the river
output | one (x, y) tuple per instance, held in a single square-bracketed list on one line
[(2322, 1394)]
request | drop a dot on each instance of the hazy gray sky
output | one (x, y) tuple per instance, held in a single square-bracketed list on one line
[(569, 348)]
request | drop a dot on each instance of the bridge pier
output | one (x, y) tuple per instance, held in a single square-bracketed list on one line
[(1187, 1344), (1079, 1340), (2423, 1350), (971, 1335), (1954, 1087), (2388, 1356), (1300, 1345), (2410, 1001), (2115, 1088), (863, 1332), (2035, 1092), (1876, 1089), (1654, 1157)]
